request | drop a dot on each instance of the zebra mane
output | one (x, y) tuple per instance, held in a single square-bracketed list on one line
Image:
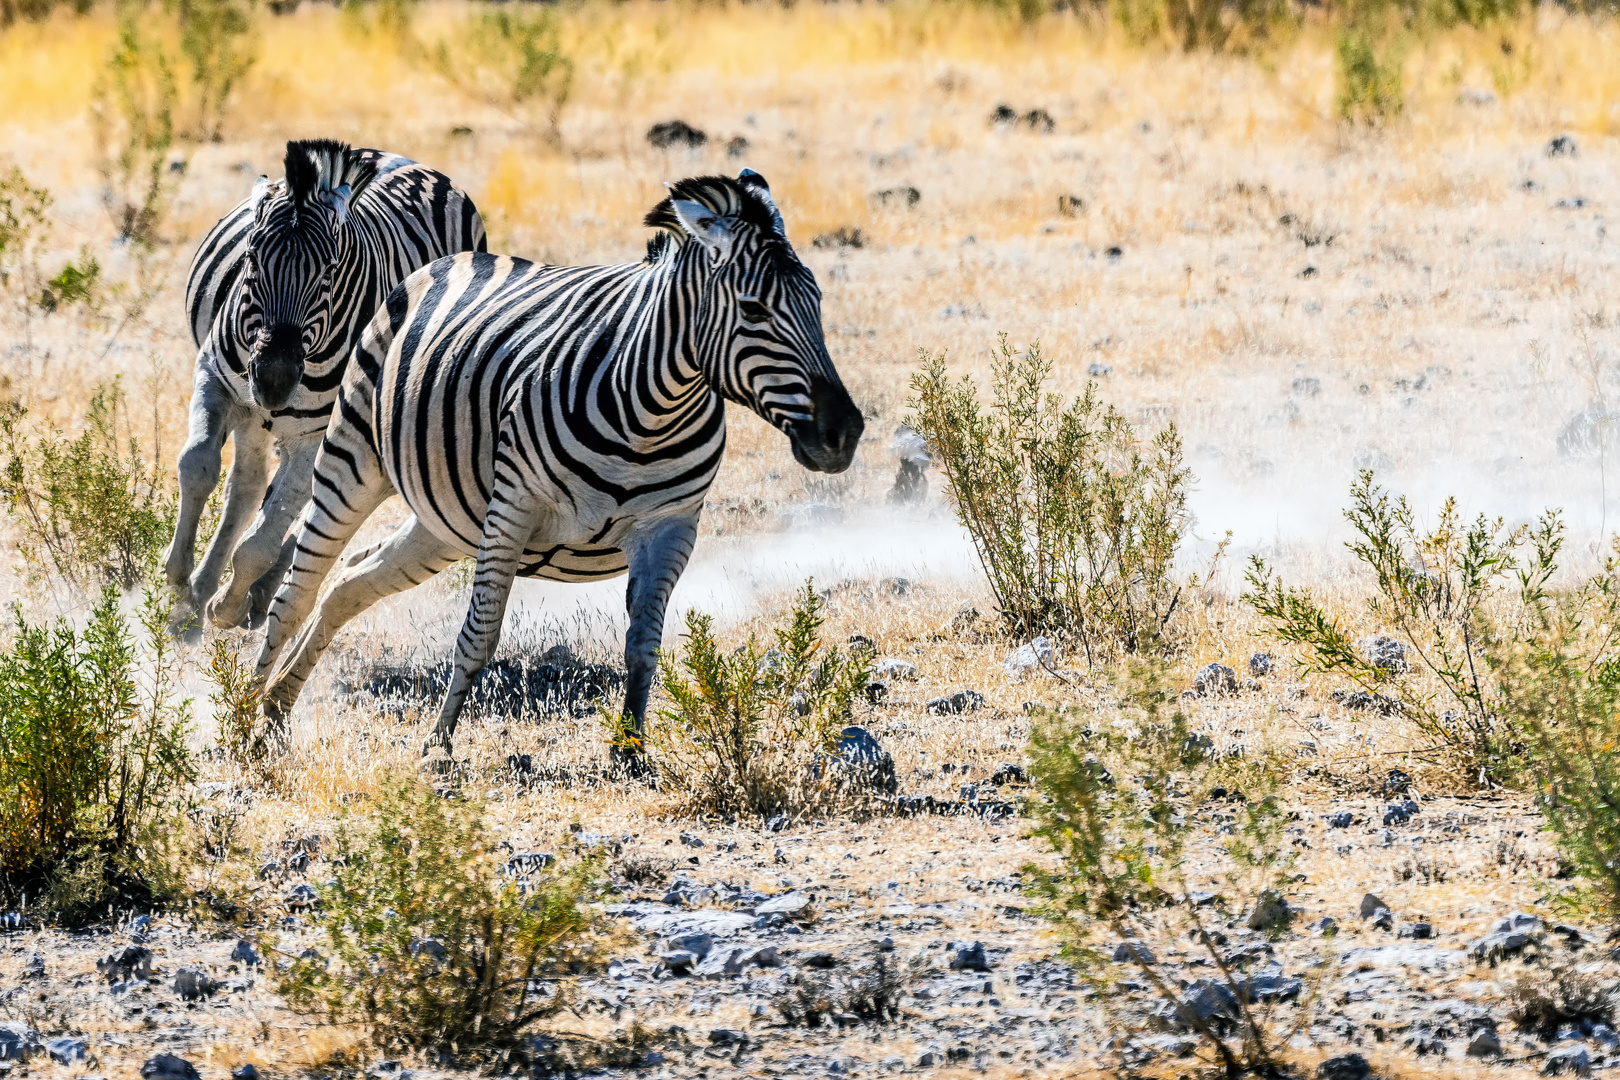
[(317, 166), (727, 197)]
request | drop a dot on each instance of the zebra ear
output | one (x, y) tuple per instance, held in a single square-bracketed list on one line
[(705, 226), (338, 199), (261, 187), (762, 191)]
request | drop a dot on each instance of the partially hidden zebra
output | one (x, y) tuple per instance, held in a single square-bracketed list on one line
[(562, 422), (278, 293)]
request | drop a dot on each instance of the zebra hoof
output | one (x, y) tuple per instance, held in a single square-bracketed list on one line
[(630, 764)]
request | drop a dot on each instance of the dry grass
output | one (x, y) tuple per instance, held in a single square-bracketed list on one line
[(1454, 323)]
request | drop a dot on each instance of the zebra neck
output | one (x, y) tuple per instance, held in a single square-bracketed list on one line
[(658, 370)]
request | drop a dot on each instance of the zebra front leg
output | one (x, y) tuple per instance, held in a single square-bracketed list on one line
[(657, 553), (508, 527), (198, 473), (260, 550)]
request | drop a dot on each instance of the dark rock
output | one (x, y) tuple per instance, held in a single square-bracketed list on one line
[(18, 1041), (66, 1050), (727, 1037), (194, 985), (1573, 936), (244, 953), (1008, 773), (1382, 920), (169, 1067), (1212, 1002), (1214, 680), (130, 962), (1420, 931), (302, 897), (821, 960), (876, 692), (737, 147), (959, 702), (689, 840), (1341, 820), (1271, 912), (671, 133), (1484, 1044), (1561, 146), (1508, 938), (248, 1071), (899, 196), (1344, 1067), (968, 956), (862, 764), (1274, 986), (895, 669), (733, 960), (12, 921), (777, 823), (1327, 924), (1396, 815), (1397, 782), (1568, 1061), (678, 961), (1424, 1042), (1129, 952), (842, 237), (1371, 905), (1260, 665), (35, 968), (1385, 653)]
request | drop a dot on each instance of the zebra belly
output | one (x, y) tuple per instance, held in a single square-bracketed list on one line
[(573, 563)]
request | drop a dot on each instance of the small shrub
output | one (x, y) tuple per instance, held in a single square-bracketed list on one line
[(871, 989), (1369, 77), (1543, 999), (90, 508), (78, 282), (132, 116), (1201, 25), (744, 730), (92, 760), (216, 36), (237, 701), (428, 946), (512, 60), (1443, 592), (1076, 523), (1127, 810), (1560, 689)]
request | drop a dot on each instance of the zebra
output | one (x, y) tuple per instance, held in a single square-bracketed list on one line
[(277, 294), (562, 422)]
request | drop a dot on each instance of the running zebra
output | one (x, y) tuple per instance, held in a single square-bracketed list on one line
[(277, 295), (562, 422)]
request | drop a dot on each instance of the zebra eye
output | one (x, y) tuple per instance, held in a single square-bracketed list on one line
[(753, 311)]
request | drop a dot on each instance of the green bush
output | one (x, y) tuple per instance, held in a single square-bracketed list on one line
[(78, 282), (1075, 521), (238, 698), (217, 38), (90, 509), (513, 60), (1369, 76), (92, 761), (1128, 807), (427, 945), (1209, 25), (132, 118), (744, 731), (1560, 689), (1452, 593)]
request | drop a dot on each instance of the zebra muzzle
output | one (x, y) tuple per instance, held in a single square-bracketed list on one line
[(276, 367), (827, 441)]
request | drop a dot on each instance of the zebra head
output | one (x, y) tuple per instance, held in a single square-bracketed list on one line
[(291, 266), (757, 315)]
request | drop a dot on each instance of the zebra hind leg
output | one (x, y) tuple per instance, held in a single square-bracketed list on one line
[(349, 484), (406, 559)]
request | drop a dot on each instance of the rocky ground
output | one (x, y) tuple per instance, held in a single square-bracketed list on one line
[(901, 941)]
